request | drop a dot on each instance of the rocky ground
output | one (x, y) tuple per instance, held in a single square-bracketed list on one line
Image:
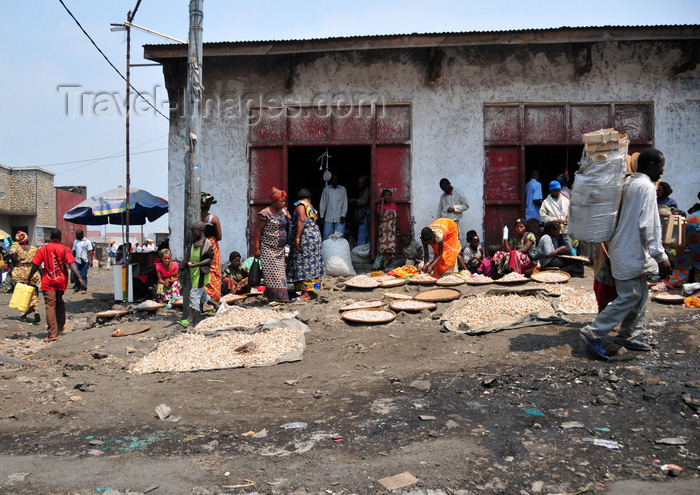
[(523, 411)]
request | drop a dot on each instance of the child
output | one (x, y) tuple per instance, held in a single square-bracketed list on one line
[(472, 254), (487, 266), (235, 276), (198, 258)]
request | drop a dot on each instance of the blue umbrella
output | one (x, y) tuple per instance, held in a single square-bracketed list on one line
[(110, 207)]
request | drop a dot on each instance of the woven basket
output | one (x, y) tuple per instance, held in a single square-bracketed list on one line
[(355, 317), (447, 283), (560, 276), (510, 282), (575, 258), (479, 282), (413, 280), (111, 313), (372, 303), (398, 296), (232, 298), (438, 295), (669, 296), (148, 308), (400, 305), (373, 284), (396, 282)]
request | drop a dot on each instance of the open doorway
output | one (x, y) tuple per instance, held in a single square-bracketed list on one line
[(347, 162), (551, 162)]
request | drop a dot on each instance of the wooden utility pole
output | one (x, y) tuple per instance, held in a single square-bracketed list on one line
[(193, 130)]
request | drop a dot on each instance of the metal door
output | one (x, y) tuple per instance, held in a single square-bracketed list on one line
[(502, 191), (267, 170)]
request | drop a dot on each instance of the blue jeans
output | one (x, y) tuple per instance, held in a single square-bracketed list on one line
[(330, 227), (83, 269)]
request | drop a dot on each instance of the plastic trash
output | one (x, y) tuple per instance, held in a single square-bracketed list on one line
[(671, 469), (295, 425)]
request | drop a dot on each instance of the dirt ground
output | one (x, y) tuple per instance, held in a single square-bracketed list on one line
[(515, 412)]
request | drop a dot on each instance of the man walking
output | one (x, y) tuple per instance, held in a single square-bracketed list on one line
[(82, 249), (56, 258), (533, 201), (452, 202), (635, 250), (333, 208)]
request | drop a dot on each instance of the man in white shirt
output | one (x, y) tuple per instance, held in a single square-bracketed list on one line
[(635, 251), (333, 208), (452, 202), (555, 208), (148, 247), (82, 249)]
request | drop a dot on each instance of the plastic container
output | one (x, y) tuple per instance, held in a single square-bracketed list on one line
[(21, 297)]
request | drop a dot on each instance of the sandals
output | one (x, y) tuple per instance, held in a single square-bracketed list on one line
[(50, 339), (185, 323)]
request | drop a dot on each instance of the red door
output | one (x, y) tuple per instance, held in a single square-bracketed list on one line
[(502, 191), (267, 170), (391, 169)]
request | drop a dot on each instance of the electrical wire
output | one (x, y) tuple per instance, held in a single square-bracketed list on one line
[(107, 158), (109, 61)]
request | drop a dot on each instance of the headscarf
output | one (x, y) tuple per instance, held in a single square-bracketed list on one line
[(207, 199), (277, 195), (21, 237)]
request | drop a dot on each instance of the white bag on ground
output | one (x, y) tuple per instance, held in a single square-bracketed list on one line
[(337, 260)]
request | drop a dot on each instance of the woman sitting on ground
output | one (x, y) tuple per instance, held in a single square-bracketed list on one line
[(515, 256), (235, 277), (168, 277), (471, 256), (550, 249), (443, 237)]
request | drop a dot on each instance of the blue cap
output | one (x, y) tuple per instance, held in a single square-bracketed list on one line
[(554, 186)]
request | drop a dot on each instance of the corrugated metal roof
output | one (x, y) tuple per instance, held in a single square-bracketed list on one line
[(563, 34)]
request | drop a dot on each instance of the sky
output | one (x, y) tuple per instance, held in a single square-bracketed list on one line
[(63, 104)]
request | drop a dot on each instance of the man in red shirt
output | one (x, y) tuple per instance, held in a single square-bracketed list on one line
[(56, 258)]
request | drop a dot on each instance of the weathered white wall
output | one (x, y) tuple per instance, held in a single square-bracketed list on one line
[(447, 117)]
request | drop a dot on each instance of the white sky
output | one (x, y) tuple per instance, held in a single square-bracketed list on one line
[(44, 50)]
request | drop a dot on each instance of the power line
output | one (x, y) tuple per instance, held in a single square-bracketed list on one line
[(108, 61), (116, 155)]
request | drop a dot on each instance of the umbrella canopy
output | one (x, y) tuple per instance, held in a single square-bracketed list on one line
[(110, 207)]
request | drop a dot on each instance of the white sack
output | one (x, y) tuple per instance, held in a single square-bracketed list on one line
[(337, 260)]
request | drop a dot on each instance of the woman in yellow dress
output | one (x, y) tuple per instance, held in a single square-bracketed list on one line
[(21, 254)]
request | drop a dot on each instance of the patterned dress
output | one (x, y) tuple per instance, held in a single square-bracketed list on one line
[(213, 288), (272, 241), (20, 273), (515, 261), (166, 294), (387, 228), (306, 265)]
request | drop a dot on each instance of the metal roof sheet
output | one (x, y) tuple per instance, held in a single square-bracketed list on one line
[(563, 34)]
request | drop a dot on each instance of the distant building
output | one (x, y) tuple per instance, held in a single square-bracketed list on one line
[(66, 198), (27, 201)]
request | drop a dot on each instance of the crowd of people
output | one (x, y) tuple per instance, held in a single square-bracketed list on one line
[(287, 244)]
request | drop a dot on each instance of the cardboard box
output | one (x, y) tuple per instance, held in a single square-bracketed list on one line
[(601, 136), (673, 229)]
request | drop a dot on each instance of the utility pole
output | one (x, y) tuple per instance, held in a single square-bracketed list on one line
[(193, 128)]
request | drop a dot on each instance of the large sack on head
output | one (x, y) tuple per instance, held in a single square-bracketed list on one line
[(337, 260)]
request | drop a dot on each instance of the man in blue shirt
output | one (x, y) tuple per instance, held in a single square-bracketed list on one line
[(533, 200)]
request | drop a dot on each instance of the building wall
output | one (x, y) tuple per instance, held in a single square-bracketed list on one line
[(29, 201), (65, 200), (447, 137)]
